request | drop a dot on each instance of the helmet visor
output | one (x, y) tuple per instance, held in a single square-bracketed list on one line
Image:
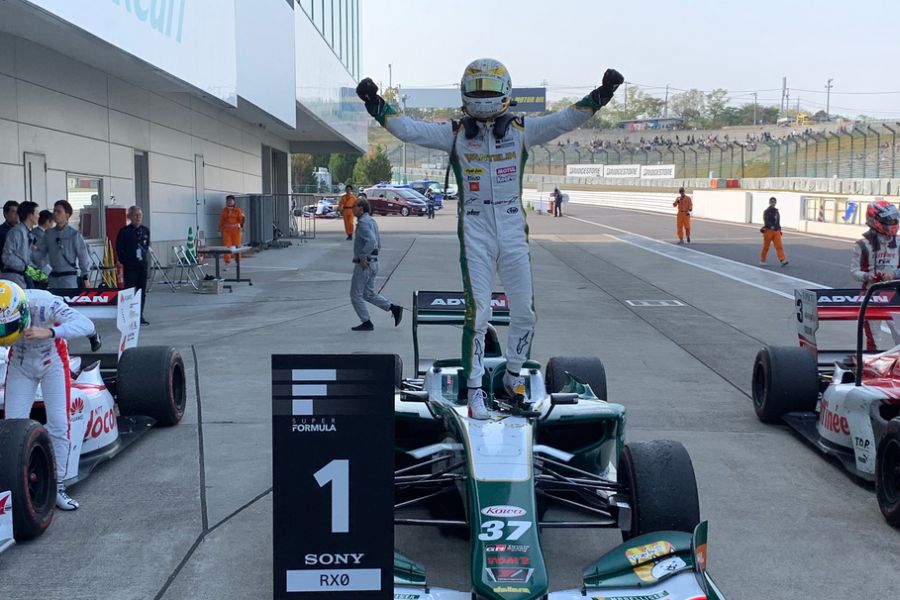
[(483, 84), (10, 328)]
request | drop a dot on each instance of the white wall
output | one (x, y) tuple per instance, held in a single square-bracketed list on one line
[(87, 122)]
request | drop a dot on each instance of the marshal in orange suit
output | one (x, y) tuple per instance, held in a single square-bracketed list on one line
[(231, 222), (345, 205), (685, 206)]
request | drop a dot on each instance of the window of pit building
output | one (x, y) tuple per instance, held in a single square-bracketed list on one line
[(85, 194)]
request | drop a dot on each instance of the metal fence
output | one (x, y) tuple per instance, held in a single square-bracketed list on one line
[(271, 217), (858, 151)]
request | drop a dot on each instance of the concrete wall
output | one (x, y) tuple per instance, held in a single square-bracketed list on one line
[(88, 122), (735, 206)]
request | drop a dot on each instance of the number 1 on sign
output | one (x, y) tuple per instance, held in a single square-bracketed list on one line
[(337, 473)]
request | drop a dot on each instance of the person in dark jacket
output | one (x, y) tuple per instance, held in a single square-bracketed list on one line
[(11, 219), (771, 231), (133, 251)]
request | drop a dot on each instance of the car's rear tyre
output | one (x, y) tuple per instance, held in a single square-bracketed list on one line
[(588, 369), (785, 379), (404, 211), (27, 469), (661, 485), (887, 473), (151, 382)]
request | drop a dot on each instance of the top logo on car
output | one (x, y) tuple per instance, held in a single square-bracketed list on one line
[(503, 510)]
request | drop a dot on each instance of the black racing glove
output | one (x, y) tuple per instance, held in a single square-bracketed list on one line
[(368, 93), (612, 79)]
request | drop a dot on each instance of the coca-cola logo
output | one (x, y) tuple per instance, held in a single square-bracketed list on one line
[(503, 510), (99, 424)]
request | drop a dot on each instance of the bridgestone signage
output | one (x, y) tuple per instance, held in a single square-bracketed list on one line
[(658, 172), (584, 170), (622, 171)]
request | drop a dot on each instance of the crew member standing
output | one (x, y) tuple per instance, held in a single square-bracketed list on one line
[(35, 323), (685, 206), (133, 251), (876, 256), (771, 231), (365, 269), (345, 205), (231, 223), (64, 248), (11, 219), (17, 248)]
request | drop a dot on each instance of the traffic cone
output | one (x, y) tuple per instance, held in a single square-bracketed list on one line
[(191, 250)]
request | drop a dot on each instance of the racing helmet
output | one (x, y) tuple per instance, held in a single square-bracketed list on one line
[(14, 315), (486, 89), (883, 217)]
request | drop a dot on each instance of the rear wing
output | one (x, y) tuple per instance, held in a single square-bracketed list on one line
[(123, 305), (449, 308), (828, 304)]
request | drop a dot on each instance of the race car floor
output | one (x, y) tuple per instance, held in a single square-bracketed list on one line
[(186, 512)]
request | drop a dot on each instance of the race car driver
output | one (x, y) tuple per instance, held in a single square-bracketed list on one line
[(876, 256), (35, 323), (488, 161)]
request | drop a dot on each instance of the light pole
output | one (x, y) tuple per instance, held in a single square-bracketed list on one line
[(877, 151), (893, 149), (828, 87), (755, 101), (390, 76), (403, 101)]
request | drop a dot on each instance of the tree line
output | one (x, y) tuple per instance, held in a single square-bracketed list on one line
[(345, 168)]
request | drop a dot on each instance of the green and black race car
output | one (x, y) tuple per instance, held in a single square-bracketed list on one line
[(494, 480)]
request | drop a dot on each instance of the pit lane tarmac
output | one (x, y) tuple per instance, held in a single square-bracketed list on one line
[(186, 513)]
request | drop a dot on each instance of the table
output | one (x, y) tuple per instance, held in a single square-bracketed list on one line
[(218, 251)]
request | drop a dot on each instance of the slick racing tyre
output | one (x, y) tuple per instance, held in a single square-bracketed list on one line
[(588, 369), (661, 486), (151, 382), (887, 473), (785, 379), (27, 470)]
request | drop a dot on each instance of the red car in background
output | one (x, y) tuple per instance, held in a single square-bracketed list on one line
[(388, 200)]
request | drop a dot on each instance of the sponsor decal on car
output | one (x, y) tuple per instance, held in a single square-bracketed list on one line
[(508, 561), (502, 575), (100, 423), (313, 425), (510, 590), (327, 559), (4, 500), (106, 298), (76, 406), (832, 421), (667, 566), (880, 298), (503, 510), (407, 596), (507, 548), (656, 596), (646, 553)]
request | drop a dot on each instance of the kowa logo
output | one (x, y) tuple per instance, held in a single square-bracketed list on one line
[(503, 510)]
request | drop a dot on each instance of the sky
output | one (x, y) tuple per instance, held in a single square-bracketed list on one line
[(742, 46)]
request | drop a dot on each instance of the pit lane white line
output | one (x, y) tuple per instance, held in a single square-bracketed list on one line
[(669, 251)]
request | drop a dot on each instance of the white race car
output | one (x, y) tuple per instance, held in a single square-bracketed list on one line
[(846, 403), (114, 399)]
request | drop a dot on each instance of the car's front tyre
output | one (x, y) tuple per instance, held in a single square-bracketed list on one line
[(27, 470), (785, 379), (404, 211), (661, 486), (887, 473)]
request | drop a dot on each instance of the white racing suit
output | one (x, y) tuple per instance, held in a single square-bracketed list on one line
[(869, 265), (46, 362), (492, 230)]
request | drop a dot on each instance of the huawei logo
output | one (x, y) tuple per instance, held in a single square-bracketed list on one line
[(77, 406)]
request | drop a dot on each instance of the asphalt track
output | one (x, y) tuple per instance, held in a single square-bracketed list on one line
[(186, 513)]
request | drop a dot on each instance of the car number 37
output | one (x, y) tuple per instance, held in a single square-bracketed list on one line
[(493, 530)]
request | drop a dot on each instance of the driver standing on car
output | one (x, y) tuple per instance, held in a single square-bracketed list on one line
[(876, 256), (488, 148), (35, 323)]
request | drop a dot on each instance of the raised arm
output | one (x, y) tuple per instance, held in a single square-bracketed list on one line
[(540, 130), (438, 136)]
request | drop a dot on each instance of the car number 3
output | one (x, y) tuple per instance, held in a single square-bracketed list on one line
[(493, 530)]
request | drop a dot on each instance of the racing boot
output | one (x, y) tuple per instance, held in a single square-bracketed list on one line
[(63, 500), (477, 409), (514, 384)]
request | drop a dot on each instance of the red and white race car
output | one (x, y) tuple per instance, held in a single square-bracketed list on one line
[(115, 398), (846, 403)]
